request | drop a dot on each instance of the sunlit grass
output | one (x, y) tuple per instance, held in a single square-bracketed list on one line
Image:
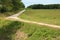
[(37, 32), (51, 16)]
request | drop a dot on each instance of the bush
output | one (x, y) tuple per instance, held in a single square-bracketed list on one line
[(11, 5)]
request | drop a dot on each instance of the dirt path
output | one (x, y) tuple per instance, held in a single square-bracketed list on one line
[(21, 35), (50, 25), (15, 17)]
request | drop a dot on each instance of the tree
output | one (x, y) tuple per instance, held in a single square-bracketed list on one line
[(11, 5), (41, 6), (17, 4)]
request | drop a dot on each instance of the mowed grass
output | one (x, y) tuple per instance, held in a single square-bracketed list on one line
[(35, 32), (51, 16)]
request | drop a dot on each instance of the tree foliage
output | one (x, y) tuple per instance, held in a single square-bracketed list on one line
[(17, 4), (10, 5), (41, 6)]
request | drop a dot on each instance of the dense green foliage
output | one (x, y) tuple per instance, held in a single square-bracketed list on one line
[(51, 16), (10, 5), (41, 6)]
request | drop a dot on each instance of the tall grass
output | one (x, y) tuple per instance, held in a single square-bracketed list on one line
[(36, 32), (8, 29), (6, 14)]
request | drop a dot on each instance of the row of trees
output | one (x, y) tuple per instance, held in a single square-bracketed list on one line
[(11, 5), (41, 6)]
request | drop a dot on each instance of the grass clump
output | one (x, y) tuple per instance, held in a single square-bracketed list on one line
[(8, 29)]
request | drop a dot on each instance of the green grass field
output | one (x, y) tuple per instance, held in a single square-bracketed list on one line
[(35, 32), (8, 28), (51, 16)]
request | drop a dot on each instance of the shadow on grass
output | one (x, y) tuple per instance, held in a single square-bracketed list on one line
[(7, 31)]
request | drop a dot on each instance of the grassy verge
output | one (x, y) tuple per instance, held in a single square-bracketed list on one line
[(5, 14), (8, 29), (51, 16)]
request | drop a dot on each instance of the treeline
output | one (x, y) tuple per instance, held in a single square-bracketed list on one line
[(11, 5), (41, 6)]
